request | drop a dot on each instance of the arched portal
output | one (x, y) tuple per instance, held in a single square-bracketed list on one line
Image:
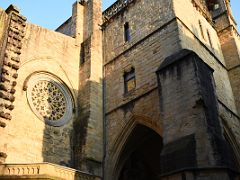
[(140, 157)]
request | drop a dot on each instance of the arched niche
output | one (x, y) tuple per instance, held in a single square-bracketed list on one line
[(139, 158)]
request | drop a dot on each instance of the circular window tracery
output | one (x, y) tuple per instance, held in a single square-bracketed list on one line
[(49, 99)]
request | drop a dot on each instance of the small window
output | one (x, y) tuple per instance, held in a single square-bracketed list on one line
[(201, 29), (216, 7), (209, 39), (82, 54), (129, 80), (127, 35)]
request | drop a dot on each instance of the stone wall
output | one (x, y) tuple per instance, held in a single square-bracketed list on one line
[(192, 132), (191, 39), (3, 24), (30, 139), (142, 21), (215, 57), (145, 52), (65, 28), (89, 127), (152, 39), (11, 40)]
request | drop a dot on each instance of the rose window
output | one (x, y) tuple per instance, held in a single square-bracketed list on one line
[(48, 100)]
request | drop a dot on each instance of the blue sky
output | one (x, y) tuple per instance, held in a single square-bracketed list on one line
[(51, 13)]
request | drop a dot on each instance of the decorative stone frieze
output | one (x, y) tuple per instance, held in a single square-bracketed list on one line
[(115, 9)]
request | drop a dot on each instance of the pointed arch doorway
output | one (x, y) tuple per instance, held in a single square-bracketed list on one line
[(140, 156)]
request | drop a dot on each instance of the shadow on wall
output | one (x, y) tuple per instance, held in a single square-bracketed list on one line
[(129, 158), (52, 102), (201, 40), (65, 132)]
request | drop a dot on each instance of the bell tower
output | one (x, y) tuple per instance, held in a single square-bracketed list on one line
[(226, 28)]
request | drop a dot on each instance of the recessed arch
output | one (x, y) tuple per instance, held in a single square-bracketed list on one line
[(137, 139), (233, 146)]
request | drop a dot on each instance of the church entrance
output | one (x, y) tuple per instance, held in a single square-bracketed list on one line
[(140, 158)]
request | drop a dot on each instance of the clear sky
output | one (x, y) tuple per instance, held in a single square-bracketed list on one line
[(52, 13)]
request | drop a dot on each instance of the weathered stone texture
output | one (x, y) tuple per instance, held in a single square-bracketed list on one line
[(142, 18), (145, 53), (3, 25), (89, 56), (231, 48), (145, 65), (120, 56), (10, 52), (33, 140), (89, 130), (223, 87), (185, 12), (65, 28)]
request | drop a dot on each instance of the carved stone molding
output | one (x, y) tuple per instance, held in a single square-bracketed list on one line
[(43, 170), (115, 9)]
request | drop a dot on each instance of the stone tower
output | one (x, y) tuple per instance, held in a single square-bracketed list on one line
[(229, 39), (171, 113), (146, 90)]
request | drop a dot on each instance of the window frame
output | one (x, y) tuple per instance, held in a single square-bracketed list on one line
[(129, 76)]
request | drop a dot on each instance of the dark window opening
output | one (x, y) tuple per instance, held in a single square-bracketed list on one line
[(129, 81), (127, 36), (82, 54), (213, 5), (201, 29), (140, 158), (209, 39)]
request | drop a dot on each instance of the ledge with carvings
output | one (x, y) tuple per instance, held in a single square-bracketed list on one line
[(42, 171), (116, 8)]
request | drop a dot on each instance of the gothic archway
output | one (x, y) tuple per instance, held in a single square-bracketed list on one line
[(140, 157)]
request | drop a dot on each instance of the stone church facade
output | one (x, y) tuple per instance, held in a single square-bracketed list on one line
[(146, 90)]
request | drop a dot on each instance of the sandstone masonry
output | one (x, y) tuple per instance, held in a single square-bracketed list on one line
[(146, 90)]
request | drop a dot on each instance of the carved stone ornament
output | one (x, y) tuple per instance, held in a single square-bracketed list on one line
[(49, 99)]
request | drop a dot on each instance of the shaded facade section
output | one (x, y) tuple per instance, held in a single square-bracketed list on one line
[(193, 137)]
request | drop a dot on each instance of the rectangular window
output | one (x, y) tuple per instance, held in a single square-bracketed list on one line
[(127, 35), (129, 81)]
